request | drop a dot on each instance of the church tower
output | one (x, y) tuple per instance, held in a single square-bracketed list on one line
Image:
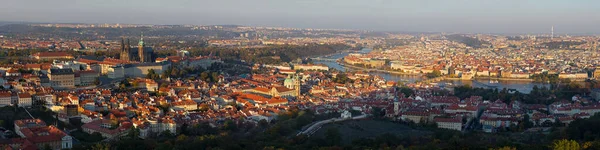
[(297, 85), (141, 49), (293, 82), (124, 55)]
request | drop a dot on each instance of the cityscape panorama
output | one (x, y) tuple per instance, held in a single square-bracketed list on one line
[(300, 75)]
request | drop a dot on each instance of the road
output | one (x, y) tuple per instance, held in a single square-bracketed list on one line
[(316, 126)]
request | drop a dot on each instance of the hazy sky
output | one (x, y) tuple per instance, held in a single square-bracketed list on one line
[(482, 16)]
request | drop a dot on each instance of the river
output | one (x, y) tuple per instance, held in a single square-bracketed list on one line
[(521, 86)]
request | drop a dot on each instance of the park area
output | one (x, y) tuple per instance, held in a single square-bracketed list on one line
[(352, 130)]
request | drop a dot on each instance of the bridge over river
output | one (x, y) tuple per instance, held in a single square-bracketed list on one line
[(324, 59)]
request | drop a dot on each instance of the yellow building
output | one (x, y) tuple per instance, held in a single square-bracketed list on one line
[(52, 55)]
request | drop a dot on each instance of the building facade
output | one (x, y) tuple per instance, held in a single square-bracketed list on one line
[(62, 78), (24, 100)]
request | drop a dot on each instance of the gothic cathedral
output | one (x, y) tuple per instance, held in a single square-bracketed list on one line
[(143, 54)]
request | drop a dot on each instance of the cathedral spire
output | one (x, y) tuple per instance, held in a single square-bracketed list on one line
[(125, 48), (122, 44)]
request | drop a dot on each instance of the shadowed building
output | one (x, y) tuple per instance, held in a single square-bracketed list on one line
[(125, 50)]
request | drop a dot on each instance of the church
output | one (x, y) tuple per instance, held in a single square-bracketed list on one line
[(142, 54)]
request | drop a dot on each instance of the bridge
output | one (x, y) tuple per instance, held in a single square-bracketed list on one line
[(324, 59), (432, 80), (314, 127)]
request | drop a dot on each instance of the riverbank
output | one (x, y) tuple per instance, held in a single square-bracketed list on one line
[(420, 74), (521, 85)]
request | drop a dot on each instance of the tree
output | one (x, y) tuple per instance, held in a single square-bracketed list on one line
[(504, 148), (565, 144), (377, 112), (341, 78), (214, 76), (152, 75), (97, 81), (333, 136), (124, 84), (167, 134), (181, 138), (525, 123), (406, 91), (133, 133), (100, 146), (47, 147), (434, 74), (204, 76), (230, 125), (263, 123)]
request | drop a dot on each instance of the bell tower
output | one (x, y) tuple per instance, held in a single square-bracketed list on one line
[(141, 48), (297, 85)]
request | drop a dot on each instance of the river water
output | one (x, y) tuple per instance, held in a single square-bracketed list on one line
[(521, 86)]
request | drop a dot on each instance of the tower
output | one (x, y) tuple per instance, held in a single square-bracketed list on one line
[(293, 82), (552, 33), (141, 48), (122, 44), (128, 47), (124, 55), (297, 85)]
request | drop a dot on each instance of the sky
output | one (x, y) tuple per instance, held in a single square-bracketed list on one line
[(462, 16)]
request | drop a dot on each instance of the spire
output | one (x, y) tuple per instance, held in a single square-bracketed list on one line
[(122, 44), (141, 43), (552, 34)]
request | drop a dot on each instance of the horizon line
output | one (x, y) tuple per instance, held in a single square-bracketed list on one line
[(304, 28)]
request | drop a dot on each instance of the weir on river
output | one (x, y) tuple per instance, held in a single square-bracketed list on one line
[(483, 84)]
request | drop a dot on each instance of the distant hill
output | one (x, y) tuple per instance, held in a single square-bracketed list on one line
[(2, 23), (469, 41), (562, 44)]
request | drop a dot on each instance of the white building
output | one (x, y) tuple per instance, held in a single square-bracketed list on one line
[(163, 125), (5, 99), (24, 100), (311, 67), (86, 77), (346, 115), (116, 72), (141, 70), (449, 123)]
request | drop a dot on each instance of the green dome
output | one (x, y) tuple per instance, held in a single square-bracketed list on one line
[(288, 81), (141, 43)]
